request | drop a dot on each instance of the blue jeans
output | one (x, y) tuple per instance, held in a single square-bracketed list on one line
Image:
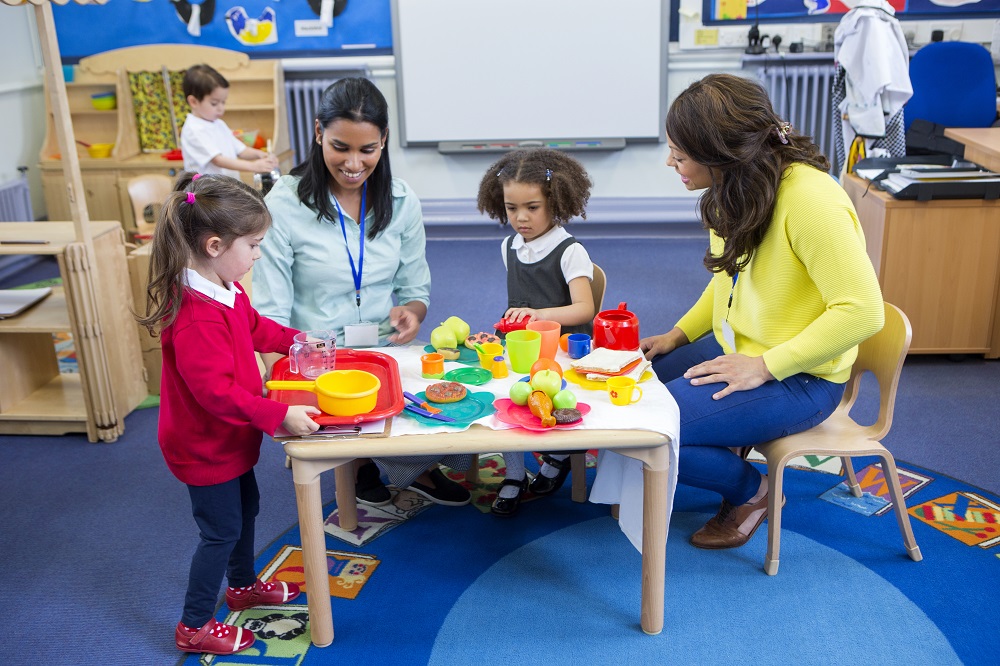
[(226, 514), (742, 418)]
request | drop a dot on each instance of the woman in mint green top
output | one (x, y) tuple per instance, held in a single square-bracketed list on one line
[(305, 277), (347, 246)]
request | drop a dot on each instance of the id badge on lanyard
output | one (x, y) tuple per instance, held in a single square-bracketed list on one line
[(727, 330), (364, 333)]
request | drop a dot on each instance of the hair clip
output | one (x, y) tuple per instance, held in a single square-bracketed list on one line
[(548, 175), (190, 198), (195, 177), (500, 172), (783, 130)]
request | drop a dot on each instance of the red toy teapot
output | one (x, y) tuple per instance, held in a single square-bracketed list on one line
[(616, 329)]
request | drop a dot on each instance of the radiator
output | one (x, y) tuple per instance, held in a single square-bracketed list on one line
[(302, 97), (15, 201), (802, 94), (15, 206)]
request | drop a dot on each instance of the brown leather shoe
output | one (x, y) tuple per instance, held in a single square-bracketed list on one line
[(732, 526)]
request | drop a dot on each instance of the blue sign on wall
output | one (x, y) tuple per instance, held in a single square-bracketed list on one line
[(260, 28)]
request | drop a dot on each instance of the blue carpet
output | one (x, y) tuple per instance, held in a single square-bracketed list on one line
[(570, 584)]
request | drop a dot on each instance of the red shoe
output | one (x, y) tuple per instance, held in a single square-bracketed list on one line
[(213, 638), (261, 594)]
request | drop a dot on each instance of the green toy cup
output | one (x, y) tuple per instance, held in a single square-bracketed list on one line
[(523, 348)]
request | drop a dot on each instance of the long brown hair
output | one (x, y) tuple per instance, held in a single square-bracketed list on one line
[(726, 123), (201, 206)]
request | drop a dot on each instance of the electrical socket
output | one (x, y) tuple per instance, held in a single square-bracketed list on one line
[(826, 32)]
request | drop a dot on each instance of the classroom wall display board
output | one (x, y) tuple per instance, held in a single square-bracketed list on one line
[(476, 76), (259, 28), (815, 11)]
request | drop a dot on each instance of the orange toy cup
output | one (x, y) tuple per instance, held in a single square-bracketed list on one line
[(550, 336), (432, 366)]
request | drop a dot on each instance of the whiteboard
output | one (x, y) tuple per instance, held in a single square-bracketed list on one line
[(483, 70)]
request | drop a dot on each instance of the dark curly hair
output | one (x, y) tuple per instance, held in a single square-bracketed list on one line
[(564, 183), (726, 123)]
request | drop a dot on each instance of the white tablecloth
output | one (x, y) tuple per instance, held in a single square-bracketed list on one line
[(619, 479)]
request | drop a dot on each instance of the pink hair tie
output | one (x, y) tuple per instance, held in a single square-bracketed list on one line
[(190, 198), (195, 177)]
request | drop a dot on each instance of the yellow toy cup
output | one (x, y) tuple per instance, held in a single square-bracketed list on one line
[(522, 349), (490, 351), (621, 390)]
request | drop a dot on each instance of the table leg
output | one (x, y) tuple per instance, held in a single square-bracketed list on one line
[(654, 548), (310, 505), (347, 501)]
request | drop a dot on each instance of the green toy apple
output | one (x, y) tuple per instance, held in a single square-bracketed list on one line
[(460, 328), (565, 399), (444, 336), (519, 393), (548, 381)]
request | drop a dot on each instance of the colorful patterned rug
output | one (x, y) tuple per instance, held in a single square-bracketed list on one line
[(566, 583)]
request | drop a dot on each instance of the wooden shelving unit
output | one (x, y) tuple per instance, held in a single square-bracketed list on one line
[(35, 399), (256, 102)]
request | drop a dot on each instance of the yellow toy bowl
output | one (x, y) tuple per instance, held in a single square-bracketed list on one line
[(338, 392), (104, 101), (99, 150)]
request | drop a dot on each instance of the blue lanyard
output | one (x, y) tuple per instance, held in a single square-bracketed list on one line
[(361, 253)]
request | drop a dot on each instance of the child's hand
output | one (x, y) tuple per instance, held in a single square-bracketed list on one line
[(517, 314), (298, 422)]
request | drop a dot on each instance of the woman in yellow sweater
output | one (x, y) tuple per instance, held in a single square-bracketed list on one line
[(766, 349)]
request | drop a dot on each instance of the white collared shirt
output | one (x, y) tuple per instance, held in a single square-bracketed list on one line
[(575, 260), (226, 296)]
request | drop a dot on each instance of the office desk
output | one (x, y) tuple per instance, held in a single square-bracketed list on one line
[(982, 144), (938, 261), (310, 458)]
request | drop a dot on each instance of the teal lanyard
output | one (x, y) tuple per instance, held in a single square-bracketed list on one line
[(356, 272)]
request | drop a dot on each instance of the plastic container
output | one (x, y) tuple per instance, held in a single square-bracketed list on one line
[(105, 101), (100, 150)]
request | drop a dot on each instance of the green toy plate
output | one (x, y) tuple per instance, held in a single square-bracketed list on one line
[(470, 376)]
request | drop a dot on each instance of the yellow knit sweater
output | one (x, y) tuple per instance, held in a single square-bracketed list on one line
[(808, 296)]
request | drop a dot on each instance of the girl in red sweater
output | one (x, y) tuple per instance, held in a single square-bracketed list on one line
[(212, 412)]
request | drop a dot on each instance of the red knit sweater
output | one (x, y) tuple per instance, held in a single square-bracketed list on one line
[(212, 411)]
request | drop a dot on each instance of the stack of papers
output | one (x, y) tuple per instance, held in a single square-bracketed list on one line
[(907, 176), (15, 301)]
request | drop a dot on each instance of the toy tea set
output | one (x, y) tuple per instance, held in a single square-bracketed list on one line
[(355, 385)]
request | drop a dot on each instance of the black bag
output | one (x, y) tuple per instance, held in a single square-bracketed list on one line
[(927, 138)]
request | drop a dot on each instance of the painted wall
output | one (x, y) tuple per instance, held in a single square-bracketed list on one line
[(22, 100), (637, 171)]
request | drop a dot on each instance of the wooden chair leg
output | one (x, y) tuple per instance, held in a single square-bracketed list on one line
[(899, 506), (775, 474), (472, 474), (852, 479), (578, 469)]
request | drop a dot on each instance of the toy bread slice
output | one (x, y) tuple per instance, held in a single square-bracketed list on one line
[(606, 361)]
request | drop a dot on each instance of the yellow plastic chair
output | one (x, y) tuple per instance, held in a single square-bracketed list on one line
[(840, 435), (150, 188)]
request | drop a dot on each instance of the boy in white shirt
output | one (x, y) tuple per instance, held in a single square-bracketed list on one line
[(207, 143)]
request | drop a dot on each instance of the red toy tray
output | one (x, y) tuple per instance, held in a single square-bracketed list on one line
[(390, 394)]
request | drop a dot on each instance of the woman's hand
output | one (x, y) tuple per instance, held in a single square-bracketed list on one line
[(657, 345), (298, 422), (738, 371), (406, 322), (517, 314)]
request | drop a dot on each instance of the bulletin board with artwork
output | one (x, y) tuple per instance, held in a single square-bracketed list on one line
[(259, 28), (787, 11)]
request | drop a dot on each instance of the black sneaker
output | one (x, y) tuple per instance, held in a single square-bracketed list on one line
[(369, 489), (445, 491)]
